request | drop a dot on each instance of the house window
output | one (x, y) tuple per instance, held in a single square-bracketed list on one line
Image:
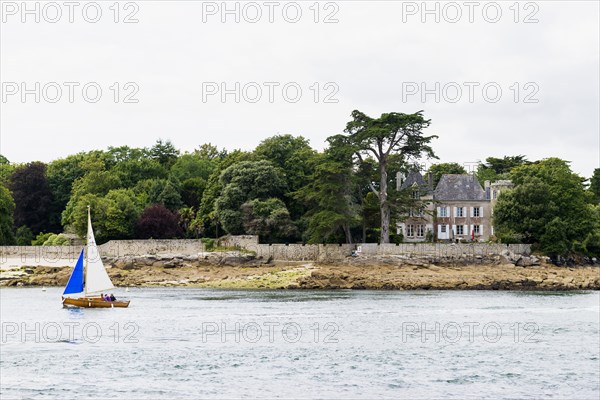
[(416, 194), (495, 194), (420, 230), (476, 230), (410, 230), (443, 212), (460, 212), (476, 212), (443, 228), (459, 230)]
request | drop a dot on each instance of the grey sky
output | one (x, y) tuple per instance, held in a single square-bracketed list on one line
[(371, 58)]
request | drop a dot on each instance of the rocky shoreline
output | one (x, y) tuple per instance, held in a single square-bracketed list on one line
[(244, 271)]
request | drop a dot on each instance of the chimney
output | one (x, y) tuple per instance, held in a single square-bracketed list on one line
[(399, 180), (430, 180)]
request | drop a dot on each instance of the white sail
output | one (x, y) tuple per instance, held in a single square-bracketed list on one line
[(96, 278)]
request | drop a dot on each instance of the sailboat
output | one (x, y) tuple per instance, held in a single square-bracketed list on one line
[(89, 278)]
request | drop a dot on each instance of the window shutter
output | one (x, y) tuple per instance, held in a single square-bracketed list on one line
[(472, 212)]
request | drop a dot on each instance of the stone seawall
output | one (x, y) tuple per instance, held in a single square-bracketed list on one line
[(323, 253)]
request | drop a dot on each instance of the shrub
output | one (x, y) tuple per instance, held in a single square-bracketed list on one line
[(41, 238), (24, 236), (158, 222), (209, 244), (56, 240)]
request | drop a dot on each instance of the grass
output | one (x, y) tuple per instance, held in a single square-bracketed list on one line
[(270, 280)]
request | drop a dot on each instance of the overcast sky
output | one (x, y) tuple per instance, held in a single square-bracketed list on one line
[(372, 56)]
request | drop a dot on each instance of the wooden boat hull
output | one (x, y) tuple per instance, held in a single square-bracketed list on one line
[(93, 302)]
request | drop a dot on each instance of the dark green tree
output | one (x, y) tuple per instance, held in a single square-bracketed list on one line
[(294, 157), (114, 216), (437, 170), (61, 174), (242, 182), (7, 208), (193, 171), (505, 164), (164, 152), (549, 206), (206, 221), (24, 236), (270, 219), (6, 170), (331, 195), (595, 184), (158, 222), (498, 168), (392, 134), (33, 197)]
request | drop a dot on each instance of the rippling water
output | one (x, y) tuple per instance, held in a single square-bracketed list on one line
[(191, 343)]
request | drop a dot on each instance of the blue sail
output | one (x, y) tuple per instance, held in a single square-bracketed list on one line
[(75, 284)]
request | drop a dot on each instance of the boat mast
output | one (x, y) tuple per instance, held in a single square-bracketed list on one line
[(87, 251)]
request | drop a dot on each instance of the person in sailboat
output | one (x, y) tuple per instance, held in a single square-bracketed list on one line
[(112, 297), (102, 296)]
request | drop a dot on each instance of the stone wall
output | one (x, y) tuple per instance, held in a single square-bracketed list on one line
[(39, 255), (331, 252), (50, 255), (123, 248)]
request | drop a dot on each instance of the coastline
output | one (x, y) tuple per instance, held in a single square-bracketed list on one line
[(373, 274)]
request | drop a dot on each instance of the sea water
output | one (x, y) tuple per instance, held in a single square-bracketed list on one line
[(200, 343)]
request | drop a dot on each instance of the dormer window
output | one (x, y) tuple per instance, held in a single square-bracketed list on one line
[(416, 194)]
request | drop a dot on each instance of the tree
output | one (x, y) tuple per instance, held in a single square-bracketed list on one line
[(61, 175), (207, 151), (505, 164), (169, 196), (32, 196), (194, 170), (437, 170), (6, 170), (129, 172), (158, 222), (7, 207), (498, 168), (57, 240), (595, 184), (164, 152), (294, 157), (244, 181), (114, 216), (270, 219), (331, 195), (549, 206), (391, 134), (24, 236), (206, 218)]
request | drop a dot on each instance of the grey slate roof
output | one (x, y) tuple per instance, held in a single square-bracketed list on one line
[(458, 187), (415, 177)]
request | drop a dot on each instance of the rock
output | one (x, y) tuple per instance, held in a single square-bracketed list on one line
[(525, 261), (158, 264)]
